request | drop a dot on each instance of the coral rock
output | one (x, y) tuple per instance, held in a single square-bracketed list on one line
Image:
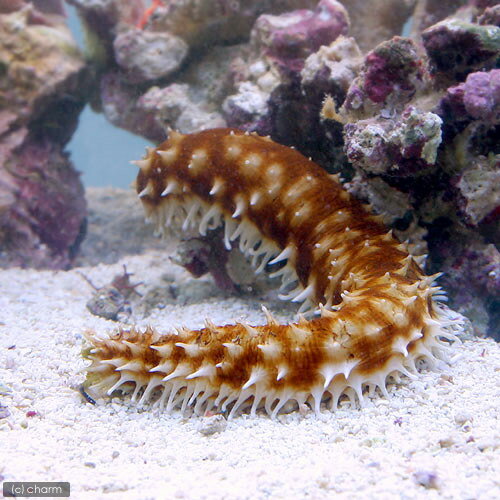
[(121, 107), (390, 203), (38, 63), (270, 97), (333, 67), (201, 22), (490, 16), (42, 187), (472, 275), (482, 95), (479, 188), (457, 48), (289, 38), (390, 76), (42, 207), (205, 255), (399, 147), (172, 106), (148, 56)]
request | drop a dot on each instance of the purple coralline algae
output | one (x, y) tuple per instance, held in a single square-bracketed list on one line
[(410, 122), (397, 147), (456, 47), (391, 75), (42, 206), (215, 22), (287, 39), (281, 92), (472, 110), (384, 134), (481, 96), (475, 100)]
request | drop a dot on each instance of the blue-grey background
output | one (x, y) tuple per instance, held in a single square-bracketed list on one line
[(99, 150)]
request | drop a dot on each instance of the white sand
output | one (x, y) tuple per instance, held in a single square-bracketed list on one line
[(441, 431)]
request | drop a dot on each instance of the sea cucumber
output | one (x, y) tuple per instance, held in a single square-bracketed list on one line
[(377, 309)]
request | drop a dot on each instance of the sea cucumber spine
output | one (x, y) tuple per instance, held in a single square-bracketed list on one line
[(377, 312)]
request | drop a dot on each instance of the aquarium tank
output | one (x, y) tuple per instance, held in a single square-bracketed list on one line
[(170, 161), (409, 122)]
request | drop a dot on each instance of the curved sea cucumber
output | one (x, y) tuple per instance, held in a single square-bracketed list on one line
[(377, 316)]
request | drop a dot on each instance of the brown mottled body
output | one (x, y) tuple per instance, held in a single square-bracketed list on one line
[(377, 311)]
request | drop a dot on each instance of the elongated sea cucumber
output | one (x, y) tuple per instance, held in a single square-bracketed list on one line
[(377, 311)]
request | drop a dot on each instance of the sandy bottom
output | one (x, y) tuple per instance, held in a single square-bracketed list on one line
[(437, 437)]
